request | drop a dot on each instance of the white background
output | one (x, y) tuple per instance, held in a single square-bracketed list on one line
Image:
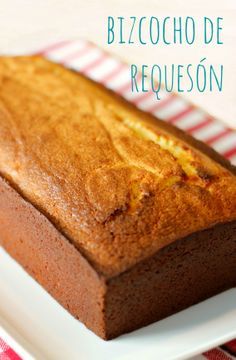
[(27, 24)]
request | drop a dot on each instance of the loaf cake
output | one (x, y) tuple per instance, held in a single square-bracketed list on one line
[(122, 218)]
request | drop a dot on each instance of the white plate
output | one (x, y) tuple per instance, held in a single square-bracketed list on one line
[(47, 331)]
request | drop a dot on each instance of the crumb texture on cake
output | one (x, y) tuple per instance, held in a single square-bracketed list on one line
[(118, 186)]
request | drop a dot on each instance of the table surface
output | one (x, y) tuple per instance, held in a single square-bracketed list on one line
[(27, 24)]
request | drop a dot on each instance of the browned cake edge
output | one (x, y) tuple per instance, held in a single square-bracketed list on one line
[(178, 276), (30, 238)]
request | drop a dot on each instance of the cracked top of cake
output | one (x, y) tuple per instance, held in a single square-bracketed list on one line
[(117, 184)]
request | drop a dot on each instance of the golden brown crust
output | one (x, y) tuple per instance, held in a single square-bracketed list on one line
[(115, 183)]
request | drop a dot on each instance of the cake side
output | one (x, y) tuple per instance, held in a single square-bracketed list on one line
[(176, 277), (180, 275), (29, 237), (119, 186)]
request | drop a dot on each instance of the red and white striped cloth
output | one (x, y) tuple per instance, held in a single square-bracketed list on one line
[(95, 63), (7, 353), (224, 352)]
